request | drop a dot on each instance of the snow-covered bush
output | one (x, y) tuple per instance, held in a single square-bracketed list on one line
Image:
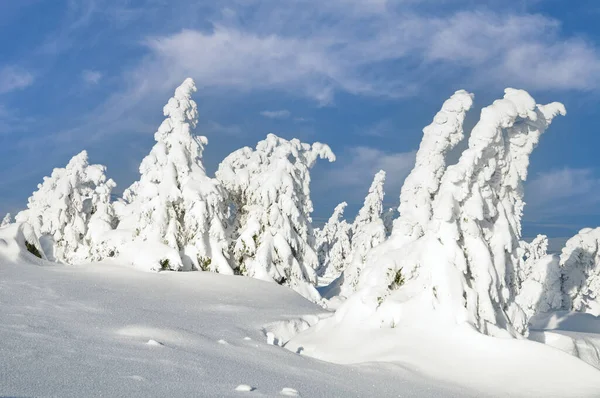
[(580, 264), (368, 231), (453, 254), (273, 235), (175, 203), (65, 210), (333, 244)]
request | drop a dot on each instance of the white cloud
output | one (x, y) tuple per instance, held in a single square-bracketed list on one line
[(91, 76), (281, 114), (391, 50), (14, 78)]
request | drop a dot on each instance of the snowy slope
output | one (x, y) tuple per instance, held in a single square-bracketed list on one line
[(84, 331)]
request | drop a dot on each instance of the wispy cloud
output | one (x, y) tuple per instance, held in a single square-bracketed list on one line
[(281, 114), (218, 128), (357, 166), (14, 78), (562, 192), (91, 76)]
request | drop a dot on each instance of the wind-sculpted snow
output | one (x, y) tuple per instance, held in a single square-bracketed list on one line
[(422, 184), (175, 203), (463, 267), (580, 264), (273, 235), (71, 209)]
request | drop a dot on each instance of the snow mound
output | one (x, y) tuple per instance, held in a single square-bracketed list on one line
[(17, 241)]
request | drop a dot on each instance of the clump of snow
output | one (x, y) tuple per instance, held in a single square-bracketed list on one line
[(580, 262), (289, 392), (175, 203), (154, 343), (273, 235), (71, 209), (244, 388)]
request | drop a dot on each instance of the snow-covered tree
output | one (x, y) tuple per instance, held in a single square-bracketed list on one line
[(174, 202), (65, 210), (333, 244), (538, 279), (274, 239), (453, 254), (6, 220), (368, 231), (580, 264)]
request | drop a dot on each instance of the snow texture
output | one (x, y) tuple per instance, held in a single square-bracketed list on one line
[(273, 235)]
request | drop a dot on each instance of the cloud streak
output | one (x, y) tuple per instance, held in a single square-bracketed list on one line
[(14, 78)]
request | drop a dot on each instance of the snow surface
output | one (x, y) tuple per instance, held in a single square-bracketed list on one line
[(74, 331)]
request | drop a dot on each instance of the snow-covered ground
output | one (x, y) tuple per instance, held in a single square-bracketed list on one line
[(111, 330)]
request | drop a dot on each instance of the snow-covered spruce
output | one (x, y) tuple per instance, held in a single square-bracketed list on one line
[(538, 279), (462, 269), (175, 204), (6, 220), (368, 231), (333, 244), (269, 186), (580, 265), (70, 210)]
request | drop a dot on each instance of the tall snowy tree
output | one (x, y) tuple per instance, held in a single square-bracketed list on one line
[(368, 231), (64, 209), (333, 244), (580, 264), (453, 259), (174, 202), (274, 239)]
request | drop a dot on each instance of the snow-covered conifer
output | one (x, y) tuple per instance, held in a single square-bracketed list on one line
[(64, 210), (368, 231), (274, 239), (6, 220), (334, 247), (454, 250), (538, 279), (175, 203), (580, 263)]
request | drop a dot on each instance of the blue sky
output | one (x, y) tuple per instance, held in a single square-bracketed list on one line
[(364, 76)]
